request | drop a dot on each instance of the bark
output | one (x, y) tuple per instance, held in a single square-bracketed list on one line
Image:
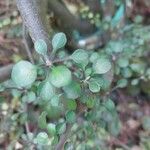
[(33, 20)]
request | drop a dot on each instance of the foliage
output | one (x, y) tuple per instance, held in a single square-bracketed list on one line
[(76, 89)]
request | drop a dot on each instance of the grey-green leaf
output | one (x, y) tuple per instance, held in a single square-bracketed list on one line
[(60, 128), (60, 76), (42, 138), (73, 90), (59, 40), (51, 128), (123, 62), (24, 73), (55, 101), (30, 97), (122, 83), (80, 56), (101, 66), (42, 120), (40, 47), (46, 90), (94, 86), (70, 117)]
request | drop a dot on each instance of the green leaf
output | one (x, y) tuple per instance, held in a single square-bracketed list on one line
[(114, 47), (146, 123), (46, 90), (90, 102), (88, 72), (42, 120), (122, 83), (71, 104), (101, 66), (60, 128), (94, 57), (94, 86), (30, 97), (109, 104), (2, 88), (51, 128), (123, 62), (55, 101), (114, 127), (126, 72), (53, 112), (59, 40), (138, 67), (73, 90), (60, 76), (42, 138), (134, 81), (70, 117), (55, 140), (80, 56), (24, 73), (40, 47)]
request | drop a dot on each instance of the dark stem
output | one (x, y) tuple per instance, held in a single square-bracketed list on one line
[(67, 134), (63, 138), (5, 72), (27, 44)]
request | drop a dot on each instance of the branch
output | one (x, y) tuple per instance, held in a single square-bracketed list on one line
[(5, 72), (68, 20), (67, 134), (27, 44), (33, 20), (63, 138)]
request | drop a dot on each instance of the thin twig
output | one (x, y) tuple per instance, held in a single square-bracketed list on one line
[(5, 72), (63, 138), (27, 48), (68, 133), (61, 60), (119, 143)]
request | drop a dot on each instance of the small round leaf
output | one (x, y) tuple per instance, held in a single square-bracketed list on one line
[(73, 90), (30, 97), (109, 104), (55, 101), (59, 40), (60, 76), (122, 83), (24, 73), (134, 81), (70, 117), (51, 128), (42, 120), (101, 66), (71, 104), (80, 57), (90, 102), (61, 128), (42, 138), (40, 46), (46, 90), (94, 57), (123, 62), (94, 86)]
